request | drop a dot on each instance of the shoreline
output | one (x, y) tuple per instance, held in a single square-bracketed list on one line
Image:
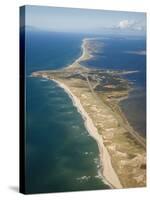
[(84, 56), (107, 172), (122, 159)]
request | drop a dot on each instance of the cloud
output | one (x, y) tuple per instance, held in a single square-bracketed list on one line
[(125, 24), (130, 25)]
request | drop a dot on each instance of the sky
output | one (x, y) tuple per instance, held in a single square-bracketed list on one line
[(85, 20)]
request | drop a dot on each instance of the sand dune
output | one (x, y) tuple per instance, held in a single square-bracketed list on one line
[(107, 170)]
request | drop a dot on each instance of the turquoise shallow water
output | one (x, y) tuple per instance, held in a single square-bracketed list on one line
[(61, 155)]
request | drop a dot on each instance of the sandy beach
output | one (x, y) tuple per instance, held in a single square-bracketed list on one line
[(84, 56), (121, 151), (107, 170), (85, 53)]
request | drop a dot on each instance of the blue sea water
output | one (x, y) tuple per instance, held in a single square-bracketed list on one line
[(118, 54), (51, 50), (123, 53), (60, 154)]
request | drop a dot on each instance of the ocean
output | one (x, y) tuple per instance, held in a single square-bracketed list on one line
[(60, 154), (125, 53)]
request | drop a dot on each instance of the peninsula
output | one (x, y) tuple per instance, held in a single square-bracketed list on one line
[(96, 94)]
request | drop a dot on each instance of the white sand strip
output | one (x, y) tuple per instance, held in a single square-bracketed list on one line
[(85, 54), (105, 160)]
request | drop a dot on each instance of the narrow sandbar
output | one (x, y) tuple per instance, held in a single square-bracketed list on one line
[(122, 150)]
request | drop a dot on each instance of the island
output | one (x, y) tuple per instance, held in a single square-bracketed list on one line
[(96, 94)]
